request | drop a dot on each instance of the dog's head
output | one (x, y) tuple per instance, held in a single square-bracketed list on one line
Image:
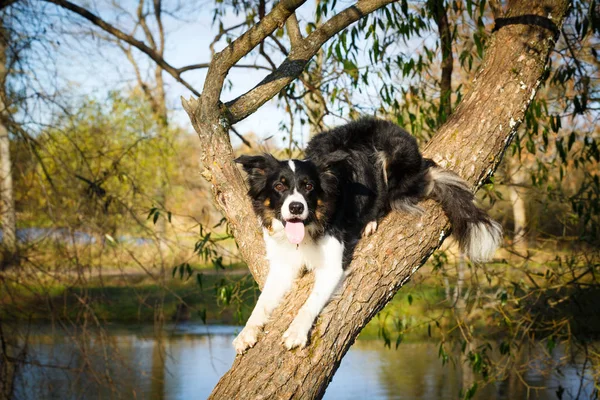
[(296, 193)]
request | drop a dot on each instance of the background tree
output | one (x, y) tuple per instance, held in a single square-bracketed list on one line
[(211, 121), (408, 92), (7, 202)]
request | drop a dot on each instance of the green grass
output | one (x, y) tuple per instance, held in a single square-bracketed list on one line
[(220, 299)]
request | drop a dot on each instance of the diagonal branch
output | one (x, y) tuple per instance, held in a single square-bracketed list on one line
[(206, 65), (293, 30), (228, 57), (299, 56), (470, 143), (119, 34)]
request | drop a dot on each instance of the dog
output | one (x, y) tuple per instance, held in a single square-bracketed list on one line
[(314, 211)]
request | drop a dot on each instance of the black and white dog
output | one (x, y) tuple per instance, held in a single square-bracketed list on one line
[(314, 211)]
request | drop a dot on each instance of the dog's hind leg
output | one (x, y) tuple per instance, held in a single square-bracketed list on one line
[(370, 228), (328, 276)]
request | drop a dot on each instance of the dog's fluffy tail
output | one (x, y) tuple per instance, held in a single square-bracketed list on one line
[(478, 235)]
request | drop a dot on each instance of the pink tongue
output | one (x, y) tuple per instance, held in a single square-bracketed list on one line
[(294, 232)]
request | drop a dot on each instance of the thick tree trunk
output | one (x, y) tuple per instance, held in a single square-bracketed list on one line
[(7, 203), (471, 143)]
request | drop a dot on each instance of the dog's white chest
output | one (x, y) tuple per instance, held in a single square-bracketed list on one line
[(281, 252)]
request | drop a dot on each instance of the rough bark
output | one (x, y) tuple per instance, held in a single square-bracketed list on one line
[(7, 203), (471, 143), (211, 119)]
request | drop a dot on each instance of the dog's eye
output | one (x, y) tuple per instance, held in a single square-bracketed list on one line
[(279, 187), (308, 187)]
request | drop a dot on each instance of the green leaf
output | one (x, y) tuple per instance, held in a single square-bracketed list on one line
[(470, 393), (198, 279), (410, 299), (399, 340), (152, 211), (504, 348), (551, 344), (404, 7)]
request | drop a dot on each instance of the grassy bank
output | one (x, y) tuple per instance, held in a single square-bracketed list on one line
[(217, 297), (204, 294)]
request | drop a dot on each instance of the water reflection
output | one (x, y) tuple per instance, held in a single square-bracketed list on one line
[(187, 362)]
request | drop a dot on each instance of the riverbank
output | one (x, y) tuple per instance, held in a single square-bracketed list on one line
[(203, 294)]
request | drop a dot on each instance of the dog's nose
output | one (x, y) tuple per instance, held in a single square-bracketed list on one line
[(296, 208)]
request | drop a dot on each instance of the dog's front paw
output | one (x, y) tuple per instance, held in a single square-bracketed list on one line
[(246, 338), (370, 229), (293, 338), (297, 333)]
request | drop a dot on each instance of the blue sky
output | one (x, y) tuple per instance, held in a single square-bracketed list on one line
[(87, 66), (104, 67)]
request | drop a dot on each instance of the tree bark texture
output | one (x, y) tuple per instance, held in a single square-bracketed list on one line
[(471, 143), (7, 203)]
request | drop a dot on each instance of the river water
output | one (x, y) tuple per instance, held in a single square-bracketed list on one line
[(130, 363)]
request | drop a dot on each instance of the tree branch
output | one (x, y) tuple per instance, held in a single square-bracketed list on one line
[(119, 34), (293, 30), (225, 59), (299, 56), (471, 143), (242, 138), (440, 15), (206, 65)]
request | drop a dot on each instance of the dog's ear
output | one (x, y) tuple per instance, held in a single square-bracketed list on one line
[(256, 165)]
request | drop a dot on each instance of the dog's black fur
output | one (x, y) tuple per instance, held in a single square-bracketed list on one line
[(359, 172)]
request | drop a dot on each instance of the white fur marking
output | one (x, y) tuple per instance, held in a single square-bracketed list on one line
[(328, 275), (279, 281), (370, 229), (446, 177), (285, 208), (292, 165), (483, 240), (383, 160)]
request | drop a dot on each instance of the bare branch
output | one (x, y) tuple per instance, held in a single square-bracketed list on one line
[(293, 30), (224, 60), (440, 15), (142, 21), (294, 64), (220, 35), (141, 46), (161, 30), (280, 45), (206, 65), (242, 138)]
